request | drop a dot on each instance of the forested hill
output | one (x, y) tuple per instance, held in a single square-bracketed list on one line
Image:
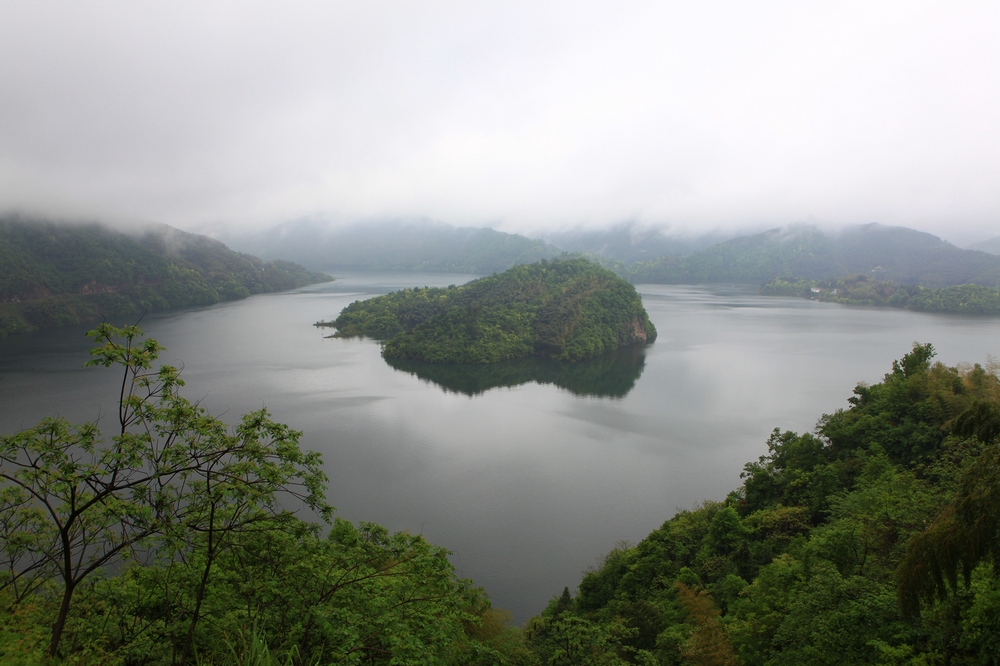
[(567, 310), (871, 541), (54, 274), (396, 246), (886, 253)]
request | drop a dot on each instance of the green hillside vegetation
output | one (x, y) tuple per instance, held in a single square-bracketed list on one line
[(61, 274), (397, 246), (567, 310), (869, 541), (864, 290), (886, 253), (610, 375)]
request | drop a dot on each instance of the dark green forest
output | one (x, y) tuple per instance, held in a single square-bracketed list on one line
[(62, 274), (567, 310), (170, 538), (864, 290)]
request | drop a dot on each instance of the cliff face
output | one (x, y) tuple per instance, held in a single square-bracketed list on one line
[(566, 310)]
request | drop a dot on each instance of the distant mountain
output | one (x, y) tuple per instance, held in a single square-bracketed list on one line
[(887, 253), (55, 274), (629, 242), (419, 245), (991, 245)]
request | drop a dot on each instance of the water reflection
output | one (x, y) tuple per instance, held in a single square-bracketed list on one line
[(610, 375)]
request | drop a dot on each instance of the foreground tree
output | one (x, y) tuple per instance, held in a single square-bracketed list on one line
[(74, 503)]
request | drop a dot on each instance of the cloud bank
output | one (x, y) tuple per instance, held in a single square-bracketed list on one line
[(525, 115)]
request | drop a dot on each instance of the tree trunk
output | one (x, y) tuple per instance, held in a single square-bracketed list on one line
[(57, 628), (209, 556)]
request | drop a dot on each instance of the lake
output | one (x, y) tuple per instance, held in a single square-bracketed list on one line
[(528, 472)]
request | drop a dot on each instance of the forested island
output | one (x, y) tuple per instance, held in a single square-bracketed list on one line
[(61, 274), (566, 310), (865, 290)]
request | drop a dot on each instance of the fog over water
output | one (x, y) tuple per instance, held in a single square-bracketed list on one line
[(531, 484)]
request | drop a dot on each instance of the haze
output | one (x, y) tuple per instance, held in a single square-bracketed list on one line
[(523, 116)]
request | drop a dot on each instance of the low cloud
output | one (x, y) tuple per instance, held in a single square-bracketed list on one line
[(526, 116)]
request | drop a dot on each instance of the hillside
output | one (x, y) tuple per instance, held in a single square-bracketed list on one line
[(867, 542), (887, 253), (970, 299), (60, 274), (566, 310), (990, 245), (396, 246)]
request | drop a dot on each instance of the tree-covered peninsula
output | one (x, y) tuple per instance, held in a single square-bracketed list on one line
[(567, 310), (60, 274), (972, 299), (873, 540)]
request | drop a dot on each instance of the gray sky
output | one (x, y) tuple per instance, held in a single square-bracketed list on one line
[(522, 115)]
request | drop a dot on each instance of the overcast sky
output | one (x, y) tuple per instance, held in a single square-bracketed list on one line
[(519, 115)]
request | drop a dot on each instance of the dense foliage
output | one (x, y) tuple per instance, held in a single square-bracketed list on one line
[(567, 310), (171, 542), (60, 274), (887, 253), (864, 290), (892, 499)]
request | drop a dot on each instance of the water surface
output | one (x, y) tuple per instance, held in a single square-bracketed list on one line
[(529, 472)]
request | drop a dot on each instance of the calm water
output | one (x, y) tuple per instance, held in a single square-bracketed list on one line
[(528, 472)]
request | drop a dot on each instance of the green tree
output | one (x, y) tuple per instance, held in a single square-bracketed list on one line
[(74, 503), (708, 644), (967, 532)]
